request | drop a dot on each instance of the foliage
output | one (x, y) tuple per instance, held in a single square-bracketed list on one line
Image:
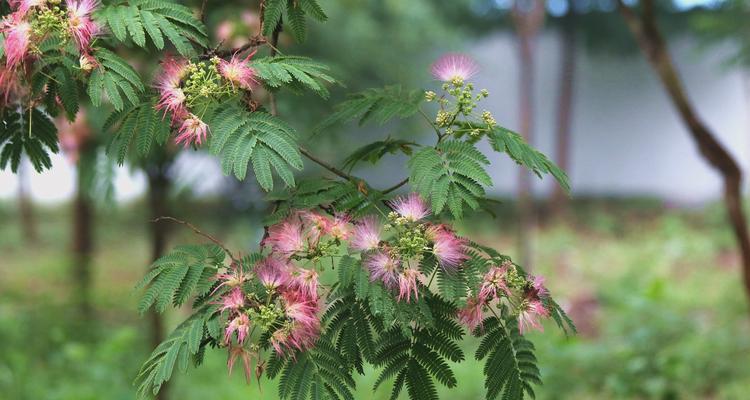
[(271, 308)]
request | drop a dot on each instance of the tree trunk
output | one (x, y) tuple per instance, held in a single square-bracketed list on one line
[(158, 190), (528, 19), (25, 206), (651, 42), (82, 247), (565, 106)]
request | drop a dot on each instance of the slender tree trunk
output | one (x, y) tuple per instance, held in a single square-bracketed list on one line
[(528, 17), (83, 246), (159, 184), (565, 106), (651, 42), (25, 205)]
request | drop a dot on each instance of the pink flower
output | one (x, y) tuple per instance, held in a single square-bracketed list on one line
[(171, 96), (17, 39), (339, 227), (232, 278), (317, 225), (87, 62), (245, 355), (295, 337), (192, 131), (447, 247), (366, 234), (494, 282), (305, 282), (532, 310), (272, 273), (237, 72), (301, 308), (241, 325), (22, 7), (383, 268), (234, 300), (454, 66), (285, 238), (537, 286), (471, 315), (411, 207), (408, 284), (82, 27)]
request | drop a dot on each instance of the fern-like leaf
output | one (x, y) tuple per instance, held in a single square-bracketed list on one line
[(379, 105), (265, 141), (295, 73), (30, 132)]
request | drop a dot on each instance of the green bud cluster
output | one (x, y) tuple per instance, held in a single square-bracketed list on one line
[(203, 82), (266, 315), (515, 280)]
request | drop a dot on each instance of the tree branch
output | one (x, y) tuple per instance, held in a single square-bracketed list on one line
[(646, 32), (197, 232)]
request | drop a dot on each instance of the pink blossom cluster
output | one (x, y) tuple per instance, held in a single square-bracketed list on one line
[(383, 258), (496, 285), (173, 99), (291, 294), (301, 233), (76, 20)]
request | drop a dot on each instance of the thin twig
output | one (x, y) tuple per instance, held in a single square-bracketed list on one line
[(326, 165), (198, 232), (396, 186)]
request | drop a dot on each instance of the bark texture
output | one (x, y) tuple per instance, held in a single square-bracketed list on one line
[(645, 29)]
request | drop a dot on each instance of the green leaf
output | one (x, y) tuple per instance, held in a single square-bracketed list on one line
[(295, 73), (451, 174), (373, 152), (136, 127), (379, 105), (506, 141), (175, 276), (267, 142), (510, 367), (30, 132)]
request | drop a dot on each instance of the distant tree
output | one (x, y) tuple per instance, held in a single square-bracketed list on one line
[(645, 28)]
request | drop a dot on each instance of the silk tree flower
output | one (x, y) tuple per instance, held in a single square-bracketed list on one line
[(22, 7), (317, 225), (530, 315), (246, 356), (241, 325), (410, 207), (454, 67), (272, 273), (537, 286), (234, 300), (87, 62), (301, 308), (285, 238), (305, 282), (383, 268), (366, 235), (171, 96), (82, 27), (494, 284), (471, 315), (238, 72), (17, 34), (447, 247), (408, 284), (192, 131), (338, 228), (294, 337)]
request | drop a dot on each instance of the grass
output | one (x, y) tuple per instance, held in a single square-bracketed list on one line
[(656, 293)]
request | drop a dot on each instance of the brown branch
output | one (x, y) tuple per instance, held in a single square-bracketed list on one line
[(197, 232), (326, 165), (396, 186), (646, 32)]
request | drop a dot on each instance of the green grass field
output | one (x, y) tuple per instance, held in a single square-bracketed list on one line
[(656, 294)]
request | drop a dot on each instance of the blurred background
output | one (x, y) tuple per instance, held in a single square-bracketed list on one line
[(641, 254)]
